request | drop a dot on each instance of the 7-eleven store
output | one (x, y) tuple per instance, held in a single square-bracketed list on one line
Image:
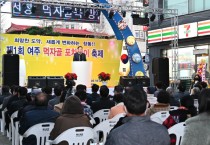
[(194, 45)]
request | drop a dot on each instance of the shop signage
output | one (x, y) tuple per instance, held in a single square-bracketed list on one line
[(155, 36), (169, 33), (204, 28), (188, 30)]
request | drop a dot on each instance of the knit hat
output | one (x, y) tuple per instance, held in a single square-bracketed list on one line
[(72, 105)]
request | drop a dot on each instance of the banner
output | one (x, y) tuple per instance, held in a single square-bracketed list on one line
[(52, 56)]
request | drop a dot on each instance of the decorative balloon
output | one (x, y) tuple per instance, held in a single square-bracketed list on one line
[(124, 58), (136, 58)]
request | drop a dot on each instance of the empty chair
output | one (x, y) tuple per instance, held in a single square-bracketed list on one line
[(178, 131), (101, 115), (173, 108), (160, 117), (14, 115), (74, 136), (104, 127), (41, 131)]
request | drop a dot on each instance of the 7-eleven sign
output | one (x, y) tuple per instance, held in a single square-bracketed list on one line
[(188, 30)]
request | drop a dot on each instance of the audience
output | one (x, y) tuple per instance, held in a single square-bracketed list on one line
[(151, 90), (197, 128), (40, 114), (185, 111), (58, 107), (163, 100), (173, 102), (48, 90), (204, 85), (72, 115), (56, 100), (94, 96), (195, 93), (104, 102), (178, 95), (83, 97), (4, 93), (138, 129), (68, 89), (13, 98), (159, 87)]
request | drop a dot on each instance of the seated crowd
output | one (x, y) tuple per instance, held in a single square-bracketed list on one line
[(67, 110)]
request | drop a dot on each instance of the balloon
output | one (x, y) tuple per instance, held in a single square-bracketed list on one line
[(136, 58), (124, 58)]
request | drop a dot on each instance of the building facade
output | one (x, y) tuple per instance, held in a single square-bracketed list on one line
[(193, 34)]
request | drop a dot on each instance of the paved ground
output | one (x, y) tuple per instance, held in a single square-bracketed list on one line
[(4, 140)]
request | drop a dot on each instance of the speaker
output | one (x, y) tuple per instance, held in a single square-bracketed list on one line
[(143, 81), (37, 81), (127, 81), (10, 69), (160, 70), (53, 81)]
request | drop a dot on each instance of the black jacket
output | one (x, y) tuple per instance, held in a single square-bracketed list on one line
[(79, 57), (103, 103)]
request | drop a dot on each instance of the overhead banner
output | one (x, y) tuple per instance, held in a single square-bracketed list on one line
[(52, 56)]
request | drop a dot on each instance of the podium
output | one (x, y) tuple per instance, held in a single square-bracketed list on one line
[(83, 69)]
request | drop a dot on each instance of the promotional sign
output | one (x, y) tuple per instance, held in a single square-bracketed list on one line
[(55, 12), (188, 30), (52, 56)]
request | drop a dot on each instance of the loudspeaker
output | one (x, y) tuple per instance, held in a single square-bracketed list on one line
[(160, 70), (127, 81), (143, 81), (53, 81), (37, 81), (10, 69)]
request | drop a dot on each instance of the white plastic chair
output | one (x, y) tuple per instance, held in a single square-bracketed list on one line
[(41, 131), (104, 127), (3, 122), (17, 139), (74, 136), (14, 115), (178, 131), (160, 117), (118, 116), (101, 114), (196, 103), (173, 108)]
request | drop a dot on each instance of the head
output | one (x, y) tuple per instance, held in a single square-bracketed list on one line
[(163, 97), (81, 95), (159, 85), (22, 91), (41, 99), (118, 98), (197, 78), (135, 103), (72, 105), (95, 88), (9, 52), (104, 91), (195, 91), (204, 85), (170, 90), (187, 101), (5, 89), (80, 49), (58, 90), (204, 105), (81, 87), (181, 87), (151, 90), (34, 92), (47, 90), (118, 89), (70, 84), (15, 90)]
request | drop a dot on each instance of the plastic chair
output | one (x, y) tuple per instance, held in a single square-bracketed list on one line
[(160, 117), (14, 115), (101, 114), (41, 131), (178, 131), (118, 116), (104, 127), (196, 103), (17, 139), (3, 122), (74, 136), (173, 108)]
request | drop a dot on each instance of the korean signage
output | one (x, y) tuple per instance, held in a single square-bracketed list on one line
[(188, 30), (55, 12), (52, 56)]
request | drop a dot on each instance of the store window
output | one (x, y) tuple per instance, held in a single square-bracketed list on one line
[(186, 62)]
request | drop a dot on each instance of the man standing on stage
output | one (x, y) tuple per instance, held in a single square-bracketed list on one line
[(79, 56)]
